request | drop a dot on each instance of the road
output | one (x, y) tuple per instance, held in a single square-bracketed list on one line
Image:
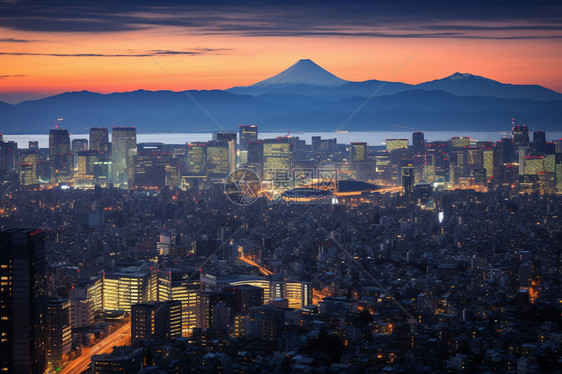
[(121, 336)]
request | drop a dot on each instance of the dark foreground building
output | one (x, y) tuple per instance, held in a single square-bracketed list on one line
[(23, 301)]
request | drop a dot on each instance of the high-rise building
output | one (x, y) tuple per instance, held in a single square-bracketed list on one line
[(79, 145), (156, 319), (358, 151), (408, 179), (23, 301), (196, 157), (558, 176), (8, 157), (277, 159), (99, 139), (507, 151), (28, 167), (33, 145), (490, 162), (85, 163), (394, 144), (539, 142), (533, 165), (418, 143), (460, 141), (58, 327), (229, 138), (248, 134), (218, 159), (121, 290), (60, 155), (255, 157), (150, 168), (520, 135), (123, 150)]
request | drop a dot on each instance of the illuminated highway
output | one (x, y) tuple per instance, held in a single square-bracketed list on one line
[(121, 336)]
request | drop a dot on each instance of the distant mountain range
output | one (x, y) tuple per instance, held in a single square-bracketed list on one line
[(305, 97)]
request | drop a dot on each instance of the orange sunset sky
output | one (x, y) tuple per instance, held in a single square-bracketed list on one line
[(42, 55)]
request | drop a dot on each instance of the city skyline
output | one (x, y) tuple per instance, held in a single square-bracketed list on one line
[(108, 48)]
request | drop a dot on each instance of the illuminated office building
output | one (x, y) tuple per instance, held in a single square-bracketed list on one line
[(78, 145), (99, 140), (183, 286), (299, 294), (248, 134), (490, 162), (123, 150), (474, 159), (358, 151), (121, 290), (33, 145), (533, 165), (86, 161), (28, 168), (558, 174), (156, 319), (218, 159), (23, 301), (277, 159), (460, 141), (230, 139), (196, 156), (394, 144), (58, 327)]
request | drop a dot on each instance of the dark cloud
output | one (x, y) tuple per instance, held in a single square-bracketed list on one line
[(12, 40), (12, 76), (160, 52), (515, 19)]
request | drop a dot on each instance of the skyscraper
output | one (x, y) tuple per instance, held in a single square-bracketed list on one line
[(358, 151), (60, 155), (230, 139), (196, 156), (218, 159), (539, 141), (507, 151), (124, 148), (407, 175), (8, 157), (520, 135), (418, 143), (277, 159), (23, 301), (99, 139), (248, 134), (58, 330)]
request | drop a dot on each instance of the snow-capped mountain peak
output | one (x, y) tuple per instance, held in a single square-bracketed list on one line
[(303, 72)]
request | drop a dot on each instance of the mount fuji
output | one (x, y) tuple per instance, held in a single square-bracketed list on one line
[(304, 97)]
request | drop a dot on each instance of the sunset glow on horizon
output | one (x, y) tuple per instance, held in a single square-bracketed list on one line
[(40, 62)]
